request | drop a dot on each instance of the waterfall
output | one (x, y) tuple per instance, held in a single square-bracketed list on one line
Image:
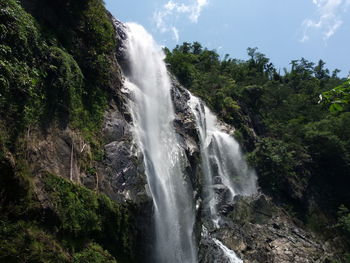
[(152, 112), (222, 164), (230, 255), (149, 86), (222, 160)]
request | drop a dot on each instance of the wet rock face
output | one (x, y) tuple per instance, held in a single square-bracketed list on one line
[(210, 250), (184, 122), (115, 127), (259, 231), (121, 172), (209, 253), (186, 130), (59, 152)]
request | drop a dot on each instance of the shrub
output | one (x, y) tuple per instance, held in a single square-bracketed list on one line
[(93, 253), (25, 242), (84, 215)]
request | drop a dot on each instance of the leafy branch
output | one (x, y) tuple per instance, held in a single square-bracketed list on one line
[(338, 97)]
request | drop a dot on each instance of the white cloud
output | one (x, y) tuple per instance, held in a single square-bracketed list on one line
[(166, 17), (176, 33), (330, 18)]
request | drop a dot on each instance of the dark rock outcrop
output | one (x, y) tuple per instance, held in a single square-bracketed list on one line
[(122, 170), (259, 231), (59, 152)]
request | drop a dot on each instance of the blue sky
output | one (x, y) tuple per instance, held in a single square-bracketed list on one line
[(283, 30)]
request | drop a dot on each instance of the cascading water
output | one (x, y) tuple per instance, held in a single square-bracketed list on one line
[(222, 163), (222, 160), (153, 115), (201, 123), (150, 105), (230, 255)]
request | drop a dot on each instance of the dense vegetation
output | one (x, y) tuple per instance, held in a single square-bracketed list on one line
[(54, 68), (71, 225), (55, 71), (301, 118)]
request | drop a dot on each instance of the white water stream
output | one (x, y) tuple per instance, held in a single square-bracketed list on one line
[(223, 164), (222, 160), (153, 115), (230, 255)]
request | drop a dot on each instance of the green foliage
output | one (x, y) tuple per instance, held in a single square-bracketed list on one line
[(76, 206), (101, 31), (344, 219), (4, 138), (92, 46), (278, 165), (25, 242), (65, 79), (273, 158), (73, 217), (58, 74), (338, 98), (230, 105), (19, 70), (84, 215), (345, 259), (327, 142), (344, 225), (91, 42), (19, 29), (258, 211), (93, 253), (16, 188), (56, 69)]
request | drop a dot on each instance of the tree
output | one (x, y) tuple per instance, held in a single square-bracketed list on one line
[(196, 48), (320, 72)]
